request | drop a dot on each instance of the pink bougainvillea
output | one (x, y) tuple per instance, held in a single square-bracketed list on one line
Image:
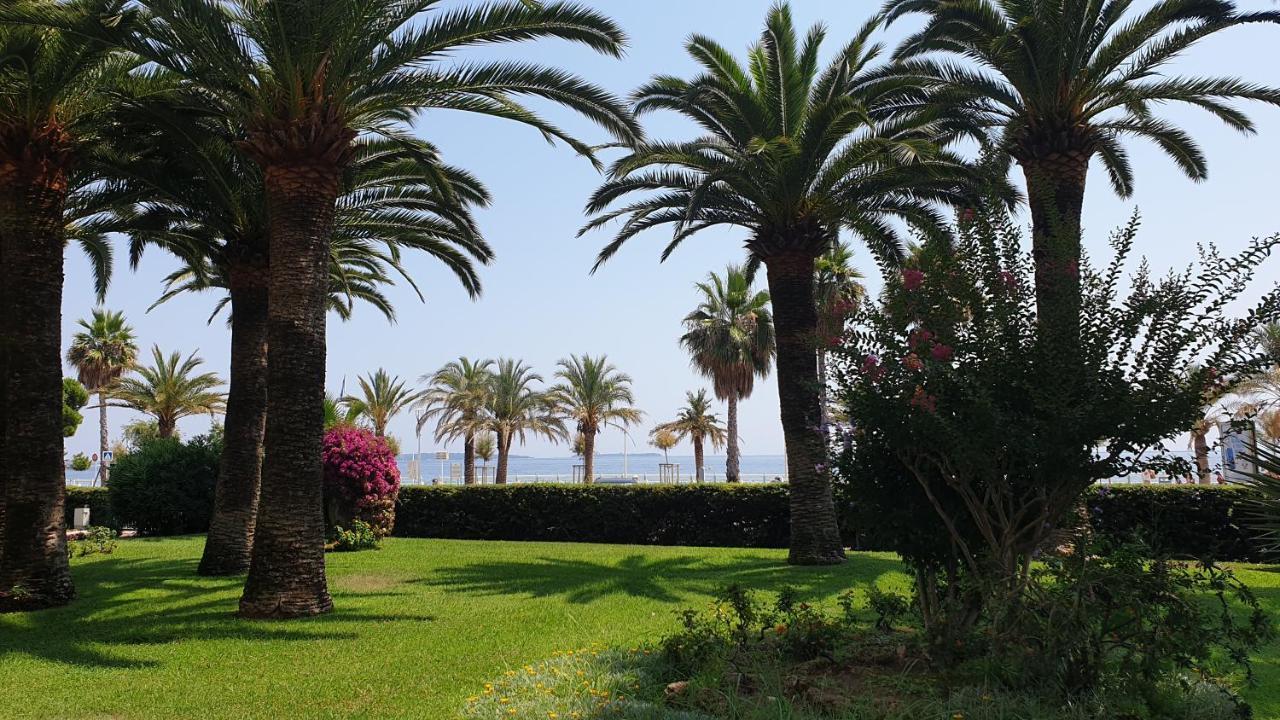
[(942, 353), (912, 279), (361, 478)]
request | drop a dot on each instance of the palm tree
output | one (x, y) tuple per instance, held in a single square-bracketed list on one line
[(54, 127), (1268, 337), (664, 440), (793, 154), (593, 395), (484, 451), (170, 390), (696, 422), (730, 338), (515, 410), (456, 399), (382, 397), (299, 82), (1060, 82), (100, 353), (839, 290)]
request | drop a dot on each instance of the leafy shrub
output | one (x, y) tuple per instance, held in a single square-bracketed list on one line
[(97, 540), (74, 397), (80, 461), (165, 487), (1182, 521), (361, 536), (361, 479), (98, 500)]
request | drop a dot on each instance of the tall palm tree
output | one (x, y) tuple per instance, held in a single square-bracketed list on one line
[(696, 422), (1060, 82), (792, 153), (100, 353), (382, 397), (170, 390), (54, 126), (593, 395), (515, 409), (456, 399), (731, 340), (300, 81)]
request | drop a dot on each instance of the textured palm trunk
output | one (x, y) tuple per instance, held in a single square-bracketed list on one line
[(589, 456), (229, 546), (1200, 442), (504, 451), (698, 473), (469, 460), (824, 401), (1055, 191), (732, 463), (815, 532), (104, 469), (287, 571), (166, 427), (34, 572)]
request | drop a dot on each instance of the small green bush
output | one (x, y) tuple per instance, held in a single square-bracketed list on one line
[(80, 462), (165, 487), (97, 541), (361, 536)]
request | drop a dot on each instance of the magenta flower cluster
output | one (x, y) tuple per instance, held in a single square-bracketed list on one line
[(360, 470)]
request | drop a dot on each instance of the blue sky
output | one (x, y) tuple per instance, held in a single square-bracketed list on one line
[(541, 304)]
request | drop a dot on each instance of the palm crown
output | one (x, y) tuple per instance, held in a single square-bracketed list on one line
[(103, 349), (456, 398), (171, 389), (730, 335), (695, 420), (594, 394), (516, 409), (382, 397)]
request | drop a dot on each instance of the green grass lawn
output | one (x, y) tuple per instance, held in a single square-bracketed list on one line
[(419, 626)]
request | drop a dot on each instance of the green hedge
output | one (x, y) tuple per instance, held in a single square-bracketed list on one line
[(1193, 521), (98, 500), (704, 515), (1185, 520)]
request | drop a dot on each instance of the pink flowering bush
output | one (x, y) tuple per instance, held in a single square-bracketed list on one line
[(361, 479)]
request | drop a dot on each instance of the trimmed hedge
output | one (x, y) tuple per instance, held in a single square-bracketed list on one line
[(1185, 520), (700, 515), (98, 500), (1192, 521)]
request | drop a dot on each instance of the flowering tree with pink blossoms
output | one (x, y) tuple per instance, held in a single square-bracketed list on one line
[(361, 479)]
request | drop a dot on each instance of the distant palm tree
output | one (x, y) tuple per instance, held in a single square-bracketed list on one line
[(456, 399), (515, 410), (696, 422), (664, 440), (100, 353), (730, 337), (484, 451), (382, 397), (593, 394), (1059, 82), (793, 153), (170, 390), (839, 291)]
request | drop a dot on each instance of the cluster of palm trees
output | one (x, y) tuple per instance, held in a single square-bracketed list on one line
[(265, 143), (172, 388)]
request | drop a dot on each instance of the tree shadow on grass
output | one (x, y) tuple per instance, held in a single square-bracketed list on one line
[(127, 603), (666, 579)]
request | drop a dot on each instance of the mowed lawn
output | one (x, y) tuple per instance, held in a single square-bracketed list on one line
[(419, 626)]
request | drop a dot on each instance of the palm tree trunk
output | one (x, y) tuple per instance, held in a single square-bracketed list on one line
[(1055, 191), (34, 572), (504, 450), (1200, 441), (589, 457), (104, 470), (287, 572), (698, 474), (469, 459), (229, 546), (165, 427), (731, 449), (815, 532), (823, 400)]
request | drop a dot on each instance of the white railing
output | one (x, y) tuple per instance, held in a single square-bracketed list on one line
[(606, 479)]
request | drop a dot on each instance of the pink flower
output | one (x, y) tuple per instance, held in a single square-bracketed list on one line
[(924, 401), (872, 368), (912, 362), (912, 279), (942, 353), (918, 337), (1010, 282)]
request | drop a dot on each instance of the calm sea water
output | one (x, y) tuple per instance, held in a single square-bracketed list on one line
[(643, 467)]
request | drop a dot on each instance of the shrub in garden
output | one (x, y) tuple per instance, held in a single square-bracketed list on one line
[(97, 540), (165, 486), (360, 537), (361, 479)]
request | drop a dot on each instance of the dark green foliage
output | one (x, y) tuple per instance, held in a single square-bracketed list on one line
[(361, 536), (80, 461), (1262, 512), (165, 487), (96, 541), (74, 397), (98, 500), (703, 515), (1183, 521)]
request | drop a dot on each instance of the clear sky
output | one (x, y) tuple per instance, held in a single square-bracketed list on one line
[(541, 304)]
